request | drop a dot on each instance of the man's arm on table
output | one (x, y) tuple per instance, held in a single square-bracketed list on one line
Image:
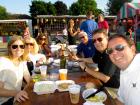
[(94, 72), (97, 74)]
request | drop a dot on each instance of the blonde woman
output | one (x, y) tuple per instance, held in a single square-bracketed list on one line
[(31, 51), (12, 71)]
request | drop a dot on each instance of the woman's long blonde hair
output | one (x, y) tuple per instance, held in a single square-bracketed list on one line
[(35, 48), (11, 41)]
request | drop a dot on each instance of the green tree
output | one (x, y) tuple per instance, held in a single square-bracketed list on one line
[(61, 8), (3, 13), (38, 8), (115, 5), (74, 9), (51, 10), (41, 8), (82, 6)]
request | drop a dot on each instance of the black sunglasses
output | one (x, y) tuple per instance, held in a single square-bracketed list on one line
[(81, 37), (98, 39), (42, 38), (117, 48), (18, 46), (30, 44)]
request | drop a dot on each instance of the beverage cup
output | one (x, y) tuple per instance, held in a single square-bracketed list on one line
[(43, 71), (63, 74), (74, 91)]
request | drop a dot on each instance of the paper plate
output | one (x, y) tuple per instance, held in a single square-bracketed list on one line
[(99, 97), (62, 85), (44, 87)]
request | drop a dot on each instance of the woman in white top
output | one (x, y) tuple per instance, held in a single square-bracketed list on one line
[(31, 49), (12, 71)]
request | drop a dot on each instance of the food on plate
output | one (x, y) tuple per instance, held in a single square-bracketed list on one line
[(96, 98), (99, 97), (64, 86), (89, 85), (36, 78)]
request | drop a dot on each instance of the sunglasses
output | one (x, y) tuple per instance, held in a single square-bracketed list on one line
[(117, 48), (82, 37), (29, 44), (42, 38), (98, 39), (18, 46)]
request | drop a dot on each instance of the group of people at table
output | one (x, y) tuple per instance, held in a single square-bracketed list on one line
[(118, 65)]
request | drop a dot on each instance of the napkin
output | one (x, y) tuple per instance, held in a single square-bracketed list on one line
[(93, 103)]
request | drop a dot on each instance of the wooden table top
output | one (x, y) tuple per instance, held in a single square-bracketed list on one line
[(63, 98)]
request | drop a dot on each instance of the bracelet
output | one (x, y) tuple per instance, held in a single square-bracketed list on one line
[(84, 68)]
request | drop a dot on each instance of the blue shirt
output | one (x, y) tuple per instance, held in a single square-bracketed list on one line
[(89, 26), (87, 49)]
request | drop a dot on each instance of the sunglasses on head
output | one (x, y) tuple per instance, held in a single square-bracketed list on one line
[(98, 39), (117, 48), (18, 46), (29, 44), (42, 38), (81, 37)]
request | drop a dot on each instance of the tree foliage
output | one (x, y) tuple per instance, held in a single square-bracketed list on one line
[(61, 8), (82, 6), (51, 10), (3, 13), (115, 5), (41, 8), (74, 9)]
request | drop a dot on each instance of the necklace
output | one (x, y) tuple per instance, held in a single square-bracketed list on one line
[(16, 63)]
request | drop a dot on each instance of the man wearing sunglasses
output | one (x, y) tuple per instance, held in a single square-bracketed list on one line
[(86, 48), (107, 72), (122, 53)]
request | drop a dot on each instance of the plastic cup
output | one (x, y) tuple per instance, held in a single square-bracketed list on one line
[(63, 74), (54, 76), (74, 92), (43, 71)]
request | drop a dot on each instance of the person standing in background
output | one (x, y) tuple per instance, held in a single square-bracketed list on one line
[(89, 25), (72, 32), (102, 23)]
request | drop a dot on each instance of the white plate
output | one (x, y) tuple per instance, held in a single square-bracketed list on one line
[(72, 46), (57, 61), (62, 85), (44, 87), (99, 97), (55, 46)]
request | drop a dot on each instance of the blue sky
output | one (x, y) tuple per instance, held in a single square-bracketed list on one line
[(22, 6)]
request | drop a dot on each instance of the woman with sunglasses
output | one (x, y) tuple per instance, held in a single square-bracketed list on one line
[(12, 71), (43, 43), (31, 51)]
